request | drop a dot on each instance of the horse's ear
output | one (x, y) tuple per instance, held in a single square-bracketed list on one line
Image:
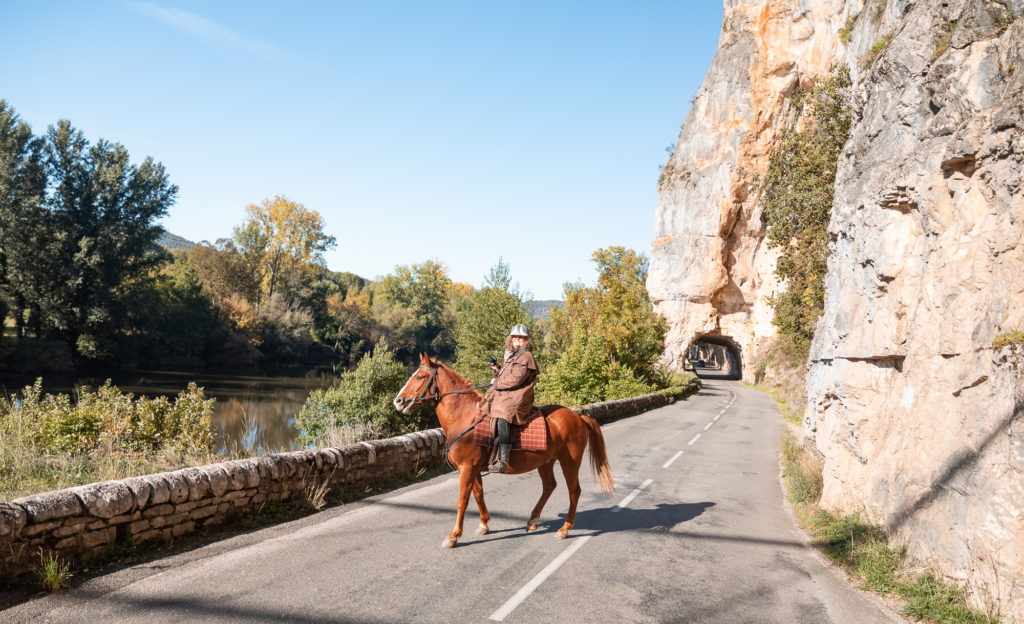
[(424, 359)]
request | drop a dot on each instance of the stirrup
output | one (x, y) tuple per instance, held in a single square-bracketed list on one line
[(499, 467)]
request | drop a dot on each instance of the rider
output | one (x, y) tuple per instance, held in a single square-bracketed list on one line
[(510, 398)]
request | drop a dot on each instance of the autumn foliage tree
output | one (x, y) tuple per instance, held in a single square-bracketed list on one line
[(283, 238)]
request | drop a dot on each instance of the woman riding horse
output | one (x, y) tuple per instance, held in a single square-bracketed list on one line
[(510, 397)]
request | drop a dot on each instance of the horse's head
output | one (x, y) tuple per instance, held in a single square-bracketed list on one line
[(421, 387)]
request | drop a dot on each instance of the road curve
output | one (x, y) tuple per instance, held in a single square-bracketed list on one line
[(697, 532)]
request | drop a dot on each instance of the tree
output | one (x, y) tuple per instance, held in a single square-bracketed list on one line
[(93, 234), (280, 238), (618, 308), (413, 307), (223, 270), (483, 320), (22, 184)]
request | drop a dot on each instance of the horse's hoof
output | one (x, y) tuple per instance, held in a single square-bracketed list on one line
[(482, 530), (563, 534), (449, 543), (530, 528)]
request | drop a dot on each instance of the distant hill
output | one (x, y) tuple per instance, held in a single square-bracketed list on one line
[(542, 309), (173, 241)]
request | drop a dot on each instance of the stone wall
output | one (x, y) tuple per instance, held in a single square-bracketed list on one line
[(89, 520)]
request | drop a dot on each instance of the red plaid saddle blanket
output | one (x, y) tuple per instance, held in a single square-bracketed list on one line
[(533, 436)]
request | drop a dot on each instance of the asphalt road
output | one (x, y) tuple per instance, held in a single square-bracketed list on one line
[(697, 532)]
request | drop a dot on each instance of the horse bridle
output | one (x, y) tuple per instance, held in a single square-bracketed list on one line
[(425, 394)]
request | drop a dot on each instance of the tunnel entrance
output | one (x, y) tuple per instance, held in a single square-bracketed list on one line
[(715, 355)]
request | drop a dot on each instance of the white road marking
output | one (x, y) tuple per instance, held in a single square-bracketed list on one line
[(535, 582), (719, 416), (669, 462), (629, 499), (708, 426), (695, 438)]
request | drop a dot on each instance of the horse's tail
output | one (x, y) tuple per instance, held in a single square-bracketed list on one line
[(598, 457)]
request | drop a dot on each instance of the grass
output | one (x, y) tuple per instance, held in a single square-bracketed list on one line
[(864, 551), (944, 39), (1008, 339), (846, 32), (790, 407), (54, 573), (868, 58)]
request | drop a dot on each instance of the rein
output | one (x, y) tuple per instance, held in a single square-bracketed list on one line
[(425, 396)]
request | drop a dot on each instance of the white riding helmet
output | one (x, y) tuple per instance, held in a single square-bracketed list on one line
[(520, 330)]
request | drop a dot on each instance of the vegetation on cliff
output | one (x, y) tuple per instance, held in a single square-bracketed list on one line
[(798, 189)]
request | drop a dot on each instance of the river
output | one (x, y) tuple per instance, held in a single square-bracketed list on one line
[(253, 414)]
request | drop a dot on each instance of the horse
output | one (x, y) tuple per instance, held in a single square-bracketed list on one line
[(568, 436)]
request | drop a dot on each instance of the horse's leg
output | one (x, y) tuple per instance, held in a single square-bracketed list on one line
[(547, 479), (466, 478), (478, 494), (571, 472)]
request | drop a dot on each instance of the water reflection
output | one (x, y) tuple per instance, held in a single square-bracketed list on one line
[(252, 413)]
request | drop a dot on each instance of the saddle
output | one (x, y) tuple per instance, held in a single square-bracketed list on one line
[(532, 436)]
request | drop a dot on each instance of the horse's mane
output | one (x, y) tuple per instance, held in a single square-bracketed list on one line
[(465, 402)]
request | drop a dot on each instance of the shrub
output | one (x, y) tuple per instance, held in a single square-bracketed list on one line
[(846, 32), (109, 420), (49, 441), (798, 190), (362, 399)]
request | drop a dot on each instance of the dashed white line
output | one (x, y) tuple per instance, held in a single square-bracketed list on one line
[(669, 462), (629, 499), (695, 438), (535, 582), (719, 416), (708, 426)]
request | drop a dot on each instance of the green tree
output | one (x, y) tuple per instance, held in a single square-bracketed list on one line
[(618, 308), (606, 343), (102, 228), (798, 189), (413, 307), (483, 320), (22, 235)]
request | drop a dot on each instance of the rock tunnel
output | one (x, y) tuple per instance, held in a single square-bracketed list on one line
[(719, 353)]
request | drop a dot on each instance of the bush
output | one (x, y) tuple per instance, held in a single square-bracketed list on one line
[(50, 441), (109, 420), (362, 399), (798, 191)]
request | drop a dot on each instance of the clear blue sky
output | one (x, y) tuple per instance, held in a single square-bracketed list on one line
[(461, 131)]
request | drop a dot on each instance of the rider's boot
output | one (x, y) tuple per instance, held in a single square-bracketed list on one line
[(501, 463)]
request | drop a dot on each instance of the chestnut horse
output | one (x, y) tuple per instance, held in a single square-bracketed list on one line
[(568, 435)]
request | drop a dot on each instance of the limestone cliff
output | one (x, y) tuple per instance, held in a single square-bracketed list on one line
[(916, 416), (710, 269)]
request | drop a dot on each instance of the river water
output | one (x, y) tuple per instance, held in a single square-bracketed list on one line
[(252, 414)]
